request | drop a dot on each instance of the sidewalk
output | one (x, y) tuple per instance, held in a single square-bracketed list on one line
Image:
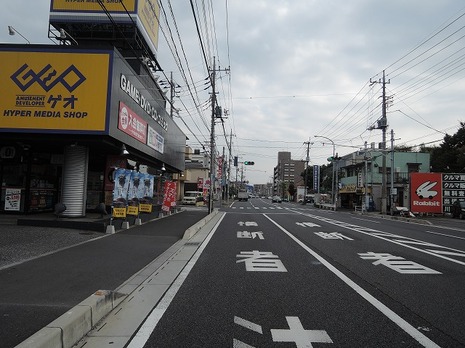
[(35, 291)]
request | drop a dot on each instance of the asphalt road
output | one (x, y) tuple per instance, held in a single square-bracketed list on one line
[(283, 275), (37, 289)]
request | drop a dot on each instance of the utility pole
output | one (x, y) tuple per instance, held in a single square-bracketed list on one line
[(307, 159), (229, 169), (171, 94), (215, 111), (392, 171), (382, 124)]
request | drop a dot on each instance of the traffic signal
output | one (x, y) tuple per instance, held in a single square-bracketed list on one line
[(235, 161), (335, 158), (249, 163)]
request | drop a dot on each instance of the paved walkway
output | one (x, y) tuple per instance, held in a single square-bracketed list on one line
[(36, 290)]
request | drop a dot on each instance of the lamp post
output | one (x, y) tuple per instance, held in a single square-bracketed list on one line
[(333, 198)]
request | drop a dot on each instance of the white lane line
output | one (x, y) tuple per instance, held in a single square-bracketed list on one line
[(445, 235), (373, 221), (143, 334), (402, 323)]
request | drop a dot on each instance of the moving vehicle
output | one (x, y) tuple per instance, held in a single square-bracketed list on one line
[(276, 199), (243, 196), (191, 197)]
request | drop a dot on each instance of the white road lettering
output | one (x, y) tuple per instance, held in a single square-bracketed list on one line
[(297, 334), (250, 235), (397, 263), (261, 261), (247, 223), (332, 235)]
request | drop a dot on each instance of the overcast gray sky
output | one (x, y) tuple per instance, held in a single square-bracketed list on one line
[(301, 68)]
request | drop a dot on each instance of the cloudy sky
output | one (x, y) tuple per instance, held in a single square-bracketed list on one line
[(299, 69)]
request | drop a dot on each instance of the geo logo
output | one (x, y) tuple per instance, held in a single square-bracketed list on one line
[(47, 78)]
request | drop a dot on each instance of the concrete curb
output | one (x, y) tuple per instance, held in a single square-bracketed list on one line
[(395, 217), (195, 228), (68, 329), (71, 327)]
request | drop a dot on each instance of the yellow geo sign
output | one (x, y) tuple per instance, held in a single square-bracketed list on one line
[(54, 90), (93, 5)]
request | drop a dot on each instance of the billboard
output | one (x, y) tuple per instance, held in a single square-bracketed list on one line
[(54, 90), (426, 192), (145, 13), (148, 13), (436, 192), (92, 6)]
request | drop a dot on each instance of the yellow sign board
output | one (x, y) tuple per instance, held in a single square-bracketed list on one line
[(93, 5), (119, 212), (145, 208), (54, 90), (133, 210), (148, 13)]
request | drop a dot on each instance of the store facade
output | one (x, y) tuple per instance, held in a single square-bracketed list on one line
[(68, 117)]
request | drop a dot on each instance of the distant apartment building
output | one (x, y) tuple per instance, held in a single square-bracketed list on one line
[(287, 172)]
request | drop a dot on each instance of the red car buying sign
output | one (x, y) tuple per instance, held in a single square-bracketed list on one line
[(426, 192)]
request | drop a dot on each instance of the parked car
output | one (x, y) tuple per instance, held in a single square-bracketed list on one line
[(276, 199), (192, 197), (458, 209)]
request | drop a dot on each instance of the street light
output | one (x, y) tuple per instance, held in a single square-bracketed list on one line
[(12, 31), (333, 196)]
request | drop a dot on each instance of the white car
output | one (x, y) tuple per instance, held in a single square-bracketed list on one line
[(191, 197), (276, 199)]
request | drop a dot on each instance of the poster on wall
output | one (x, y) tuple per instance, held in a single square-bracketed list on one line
[(169, 196), (146, 200), (155, 140), (122, 178), (12, 199)]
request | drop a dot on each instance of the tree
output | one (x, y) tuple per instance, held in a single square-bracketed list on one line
[(449, 156), (291, 189)]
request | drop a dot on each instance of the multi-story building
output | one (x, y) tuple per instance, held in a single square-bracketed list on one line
[(288, 171), (360, 177), (197, 168)]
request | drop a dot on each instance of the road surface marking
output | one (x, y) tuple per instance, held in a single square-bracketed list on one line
[(395, 318), (248, 324), (297, 334), (261, 261), (397, 263)]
